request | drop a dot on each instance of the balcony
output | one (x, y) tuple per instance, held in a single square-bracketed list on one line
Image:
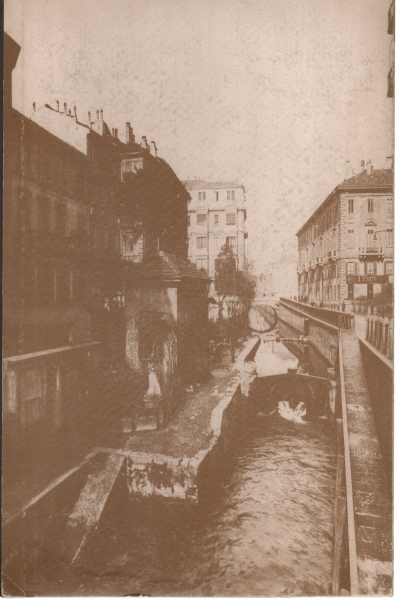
[(332, 255), (300, 270), (313, 264), (320, 261), (370, 253)]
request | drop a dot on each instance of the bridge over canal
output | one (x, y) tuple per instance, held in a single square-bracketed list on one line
[(364, 468)]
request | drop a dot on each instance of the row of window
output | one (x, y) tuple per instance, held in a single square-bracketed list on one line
[(201, 242), (49, 216), (331, 217), (370, 206), (54, 285), (352, 268), (367, 268), (370, 238), (201, 263), (321, 224), (230, 196), (202, 219)]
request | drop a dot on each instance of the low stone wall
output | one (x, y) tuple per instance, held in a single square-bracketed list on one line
[(323, 336), (292, 317), (326, 339)]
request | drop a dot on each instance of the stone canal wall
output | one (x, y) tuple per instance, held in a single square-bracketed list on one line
[(323, 336), (293, 317)]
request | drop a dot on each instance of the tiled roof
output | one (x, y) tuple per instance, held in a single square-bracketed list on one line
[(381, 178), (198, 184), (378, 178), (166, 267)]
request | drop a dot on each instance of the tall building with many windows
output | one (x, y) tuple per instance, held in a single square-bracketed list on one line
[(346, 246), (216, 216)]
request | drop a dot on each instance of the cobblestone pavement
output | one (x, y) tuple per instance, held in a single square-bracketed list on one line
[(189, 431)]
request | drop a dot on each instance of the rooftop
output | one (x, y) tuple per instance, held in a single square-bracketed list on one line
[(167, 267), (369, 180), (378, 178), (200, 184)]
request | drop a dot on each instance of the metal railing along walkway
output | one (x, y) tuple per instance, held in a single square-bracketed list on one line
[(341, 320)]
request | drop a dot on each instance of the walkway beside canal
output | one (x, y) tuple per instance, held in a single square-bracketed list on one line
[(370, 500), (189, 431)]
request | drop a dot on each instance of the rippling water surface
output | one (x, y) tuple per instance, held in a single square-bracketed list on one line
[(264, 528)]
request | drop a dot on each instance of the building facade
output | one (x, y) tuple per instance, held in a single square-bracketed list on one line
[(216, 216), (95, 261), (346, 246)]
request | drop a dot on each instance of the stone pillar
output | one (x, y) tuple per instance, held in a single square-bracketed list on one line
[(306, 327), (332, 390)]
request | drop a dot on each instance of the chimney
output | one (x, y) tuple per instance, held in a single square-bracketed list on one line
[(75, 114), (65, 108), (370, 169), (116, 132), (58, 105), (389, 162), (127, 132), (101, 114), (97, 114), (153, 149), (69, 113), (144, 142), (34, 106), (112, 132)]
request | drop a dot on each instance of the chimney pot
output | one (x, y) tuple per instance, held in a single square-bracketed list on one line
[(116, 132), (101, 114), (144, 142), (34, 106), (58, 105), (65, 107), (75, 115), (69, 112), (97, 114), (153, 148), (127, 132)]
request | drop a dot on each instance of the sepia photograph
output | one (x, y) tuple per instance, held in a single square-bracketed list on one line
[(198, 306)]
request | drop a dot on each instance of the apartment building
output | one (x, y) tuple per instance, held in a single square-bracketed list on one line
[(346, 246), (216, 216)]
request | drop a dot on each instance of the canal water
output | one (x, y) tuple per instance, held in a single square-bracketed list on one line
[(263, 526)]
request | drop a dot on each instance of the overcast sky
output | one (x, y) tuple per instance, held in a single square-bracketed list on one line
[(276, 95)]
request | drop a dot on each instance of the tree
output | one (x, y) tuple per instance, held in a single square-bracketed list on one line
[(235, 291)]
